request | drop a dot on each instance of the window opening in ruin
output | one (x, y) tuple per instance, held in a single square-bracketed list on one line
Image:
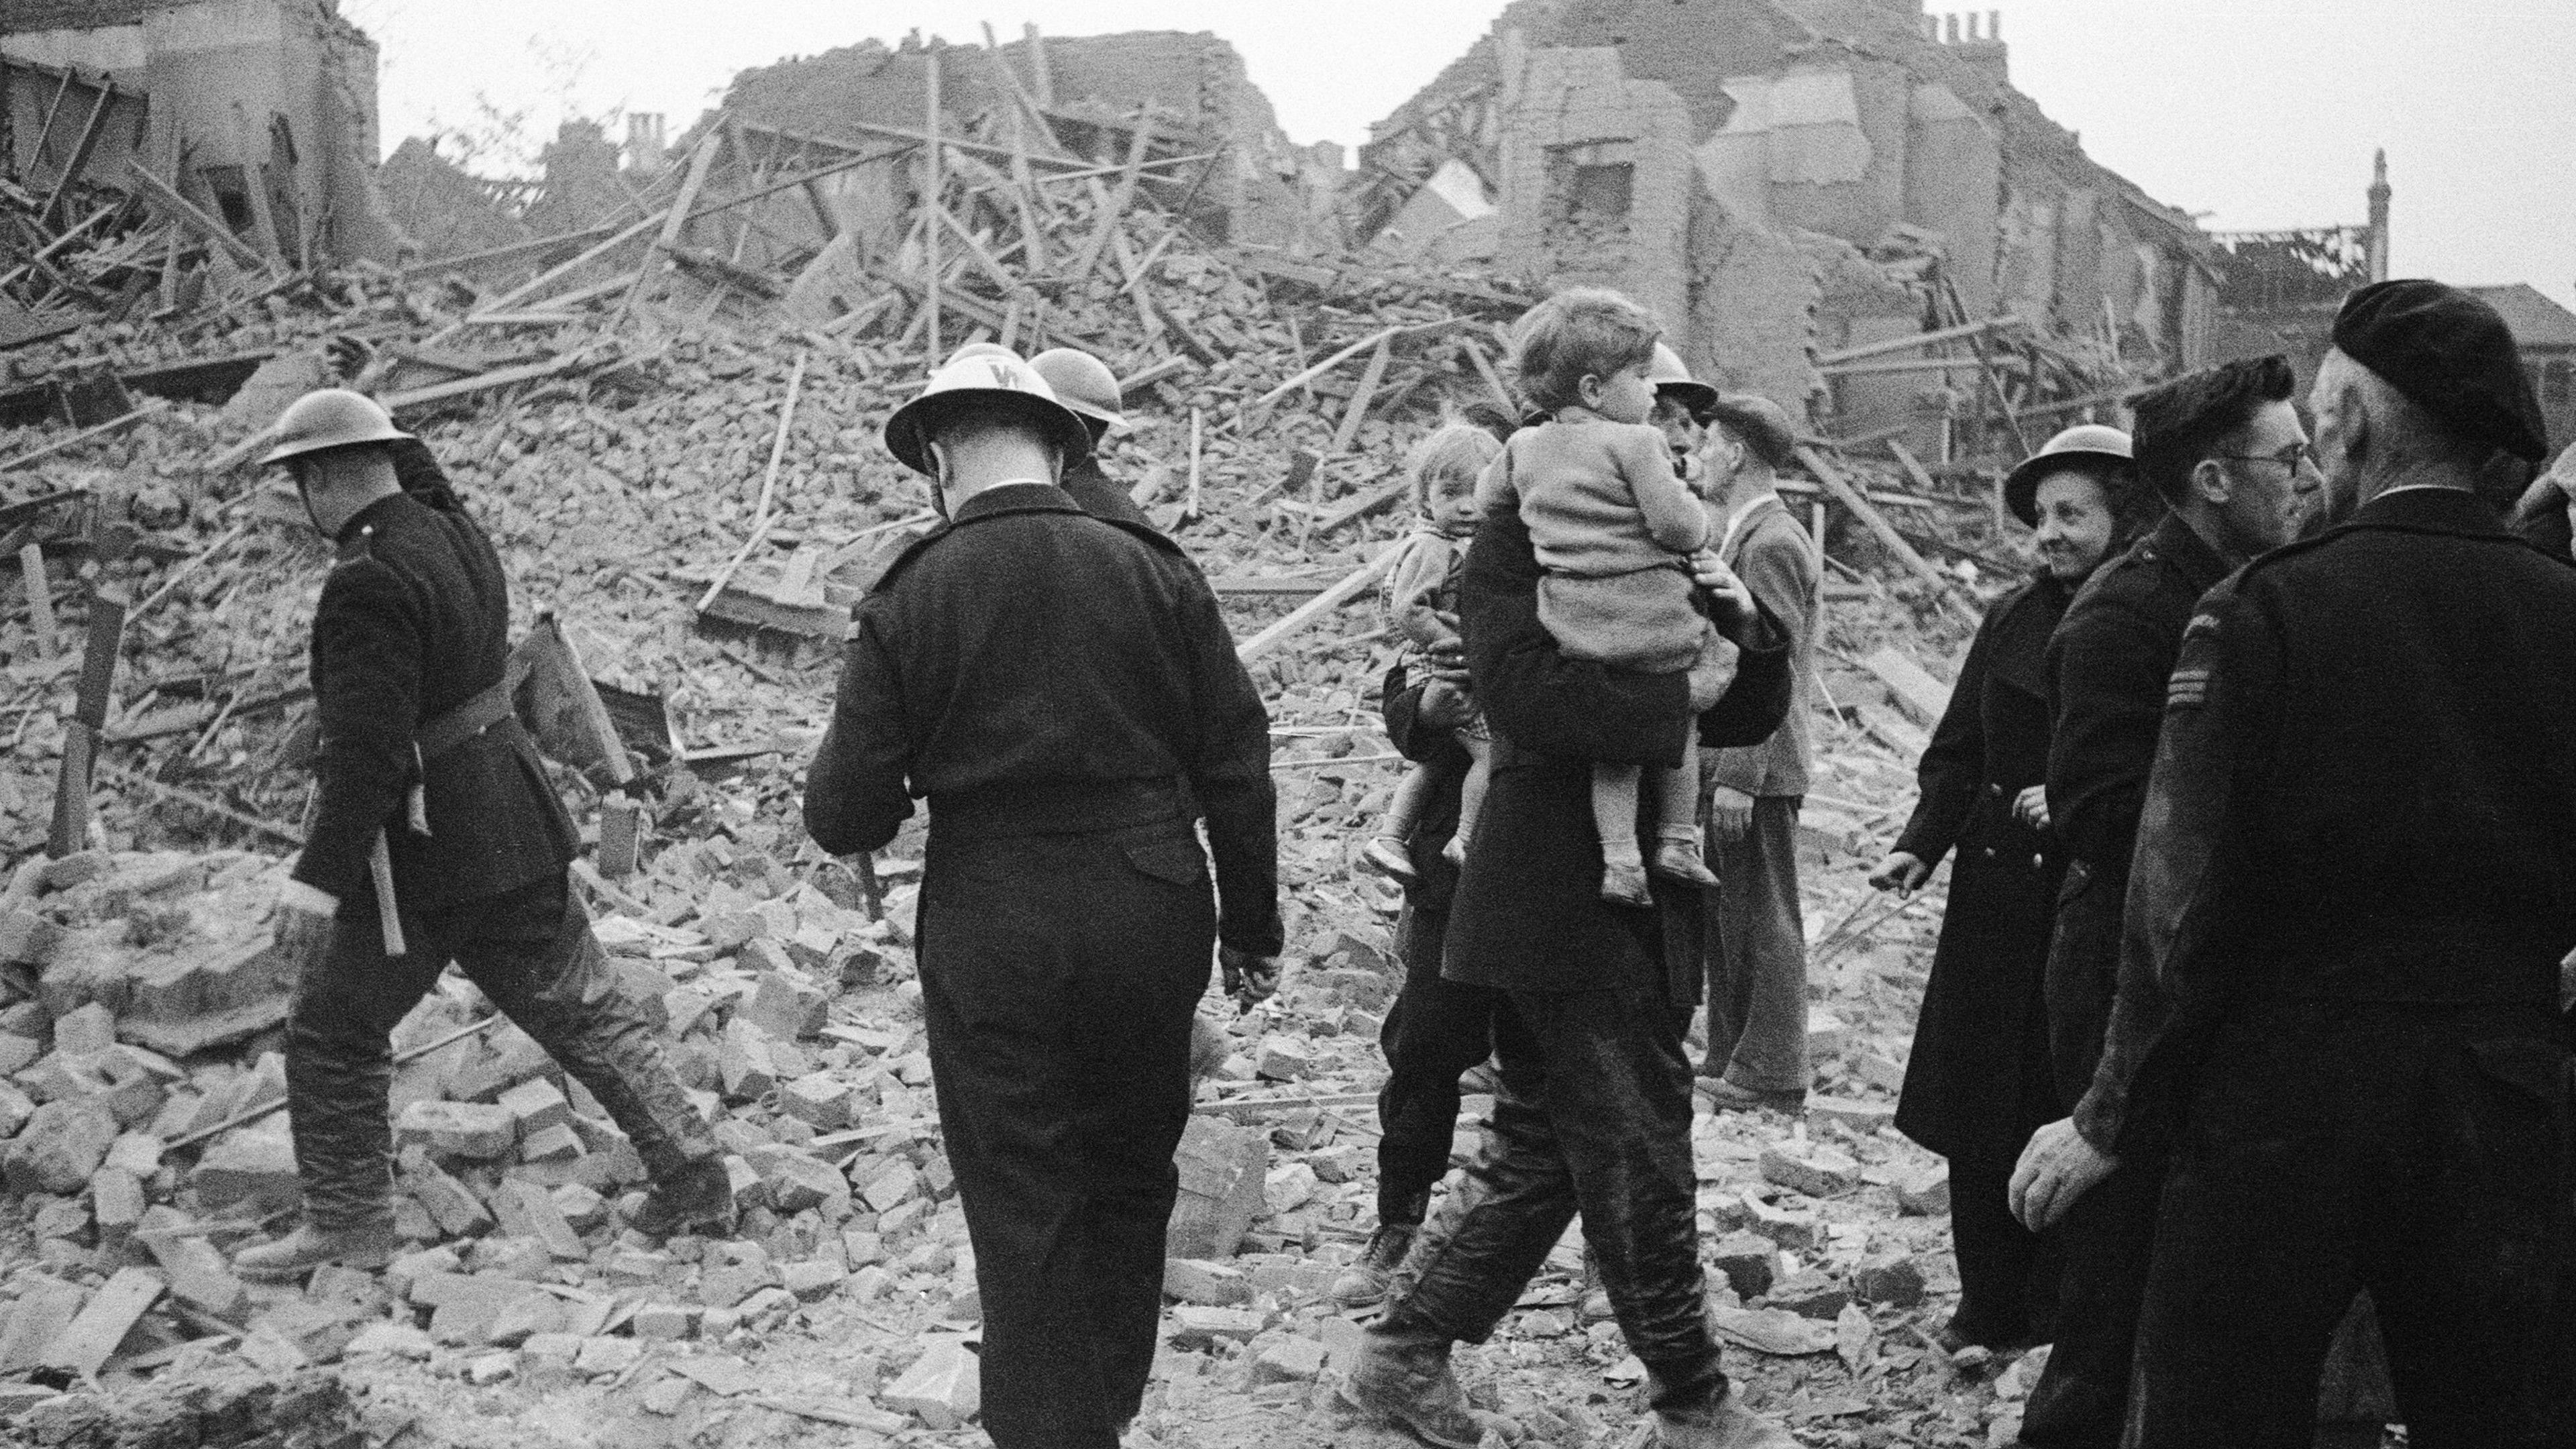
[(232, 198), (1590, 189)]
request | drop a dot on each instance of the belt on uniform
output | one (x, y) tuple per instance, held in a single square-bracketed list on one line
[(1057, 807), (477, 714)]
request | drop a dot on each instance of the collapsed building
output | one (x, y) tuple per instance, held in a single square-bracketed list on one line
[(255, 115), (1799, 187), (2283, 288)]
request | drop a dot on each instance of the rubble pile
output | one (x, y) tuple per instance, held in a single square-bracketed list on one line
[(675, 451)]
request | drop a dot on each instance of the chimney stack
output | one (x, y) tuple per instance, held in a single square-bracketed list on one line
[(2379, 217), (1950, 28)]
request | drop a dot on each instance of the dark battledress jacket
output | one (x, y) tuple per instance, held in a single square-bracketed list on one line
[(1978, 1081), (413, 624)]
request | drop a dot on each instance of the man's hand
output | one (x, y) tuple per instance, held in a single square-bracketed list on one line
[(2057, 1167), (1729, 598), (2030, 807), (1903, 872), (1249, 979), (1730, 813)]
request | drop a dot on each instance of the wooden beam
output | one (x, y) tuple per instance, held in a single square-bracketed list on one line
[(930, 227), (675, 218), (187, 213), (1098, 242), (1919, 339), (255, 186), (1884, 531), (1324, 603), (81, 148)]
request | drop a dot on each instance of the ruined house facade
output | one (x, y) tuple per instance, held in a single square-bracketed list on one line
[(1780, 179), (261, 112)]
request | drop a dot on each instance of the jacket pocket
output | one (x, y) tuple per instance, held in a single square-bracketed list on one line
[(2519, 1116), (1179, 862)]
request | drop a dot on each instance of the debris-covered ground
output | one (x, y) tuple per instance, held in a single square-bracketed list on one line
[(685, 476)]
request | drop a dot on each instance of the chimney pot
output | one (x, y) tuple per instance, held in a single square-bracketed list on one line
[(1994, 25), (1950, 28)]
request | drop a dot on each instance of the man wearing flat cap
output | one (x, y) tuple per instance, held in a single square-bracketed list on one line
[(1757, 956), (1063, 692), (2339, 1001)]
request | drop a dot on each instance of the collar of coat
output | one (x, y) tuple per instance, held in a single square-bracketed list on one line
[(2180, 544), (1028, 497), (2444, 510)]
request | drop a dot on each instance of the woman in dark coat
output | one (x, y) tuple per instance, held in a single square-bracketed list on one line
[(1978, 1081)]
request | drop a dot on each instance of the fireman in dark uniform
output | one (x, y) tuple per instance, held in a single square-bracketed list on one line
[(431, 790), (1063, 692), (2340, 987)]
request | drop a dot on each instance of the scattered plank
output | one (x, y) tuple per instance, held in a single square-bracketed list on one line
[(1324, 603), (103, 1323), (1912, 685), (1884, 531)]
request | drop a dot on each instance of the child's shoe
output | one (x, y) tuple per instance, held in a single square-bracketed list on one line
[(1623, 883), (1680, 860), (1387, 856)]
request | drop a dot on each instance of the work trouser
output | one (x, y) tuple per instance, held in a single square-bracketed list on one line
[(1592, 1115), (530, 950), (2008, 1275), (1059, 974), (1757, 955), (2419, 1151), (1436, 1032), (2107, 1238)]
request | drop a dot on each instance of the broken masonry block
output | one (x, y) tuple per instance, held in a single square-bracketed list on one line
[(1789, 1228), (62, 1143), (1290, 1361), (1925, 1192), (664, 1322), (786, 1004), (1809, 1293), (449, 1203), (1811, 1168), (471, 1130), (1223, 1177), (813, 1279), (743, 1064), (555, 1144), (1288, 1187), (1194, 1327), (1857, 1115), (605, 1357), (86, 1029), (943, 1388), (890, 1186), (1285, 1059), (1749, 1261), (1827, 1035), (116, 1203), (536, 1104), (1891, 1281), (1207, 1284), (820, 1100), (796, 1180)]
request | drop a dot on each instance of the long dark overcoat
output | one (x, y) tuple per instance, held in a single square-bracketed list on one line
[(1978, 1080)]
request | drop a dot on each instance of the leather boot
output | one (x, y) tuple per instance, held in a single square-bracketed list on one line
[(1365, 1281), (696, 1196), (1719, 1423), (1402, 1377), (367, 1246)]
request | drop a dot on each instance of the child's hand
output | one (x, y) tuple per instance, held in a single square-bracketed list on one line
[(1730, 599)]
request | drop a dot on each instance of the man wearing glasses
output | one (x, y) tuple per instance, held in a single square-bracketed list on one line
[(2225, 449)]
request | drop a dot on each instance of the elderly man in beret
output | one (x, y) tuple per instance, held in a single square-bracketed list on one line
[(1063, 692), (2340, 999)]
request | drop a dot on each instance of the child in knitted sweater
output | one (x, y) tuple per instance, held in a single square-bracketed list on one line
[(1424, 597), (1615, 529)]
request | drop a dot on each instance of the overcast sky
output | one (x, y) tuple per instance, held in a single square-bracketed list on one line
[(2259, 113)]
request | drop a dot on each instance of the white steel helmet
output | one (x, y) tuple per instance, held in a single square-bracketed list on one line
[(1670, 378), (989, 379)]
